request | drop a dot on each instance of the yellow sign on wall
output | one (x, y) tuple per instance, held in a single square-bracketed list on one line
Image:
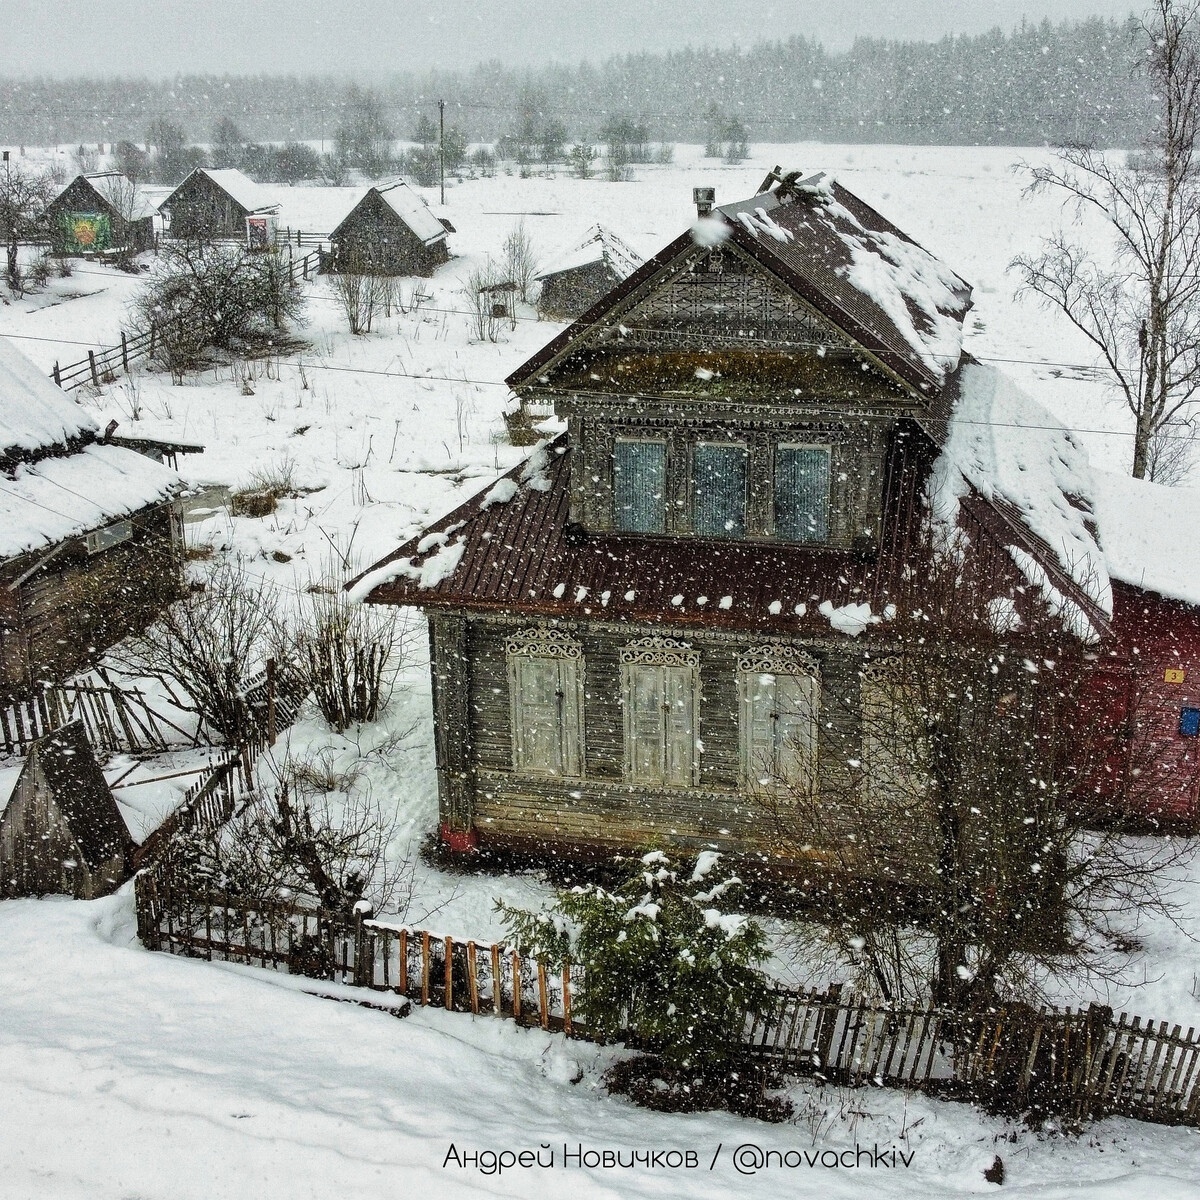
[(1174, 675)]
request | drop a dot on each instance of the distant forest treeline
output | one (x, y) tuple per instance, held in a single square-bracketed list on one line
[(1039, 83)]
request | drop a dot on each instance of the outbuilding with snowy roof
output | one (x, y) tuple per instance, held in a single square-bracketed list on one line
[(391, 230), (102, 212), (587, 270), (89, 548), (213, 204)]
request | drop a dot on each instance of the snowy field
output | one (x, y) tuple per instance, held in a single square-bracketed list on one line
[(133, 1075)]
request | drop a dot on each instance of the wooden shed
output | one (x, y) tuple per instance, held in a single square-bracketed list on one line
[(211, 204), (101, 212), (582, 274), (61, 831), (89, 545), (390, 231)]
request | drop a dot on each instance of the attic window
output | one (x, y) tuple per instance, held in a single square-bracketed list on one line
[(100, 540), (1189, 722)]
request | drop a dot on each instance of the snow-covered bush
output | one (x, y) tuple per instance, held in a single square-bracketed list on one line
[(663, 961)]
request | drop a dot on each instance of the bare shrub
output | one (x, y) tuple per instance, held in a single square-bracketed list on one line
[(361, 293), (211, 642), (350, 653), (520, 262), (219, 296), (476, 286)]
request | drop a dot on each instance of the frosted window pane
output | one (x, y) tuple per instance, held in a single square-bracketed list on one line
[(640, 482), (802, 494)]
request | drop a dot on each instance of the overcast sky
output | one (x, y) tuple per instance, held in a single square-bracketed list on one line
[(145, 37)]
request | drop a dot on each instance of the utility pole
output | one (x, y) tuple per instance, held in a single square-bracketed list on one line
[(442, 146)]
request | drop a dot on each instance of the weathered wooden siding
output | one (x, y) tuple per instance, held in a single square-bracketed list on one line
[(374, 238), (202, 210), (81, 196), (36, 847), (566, 294), (78, 605), (601, 811)]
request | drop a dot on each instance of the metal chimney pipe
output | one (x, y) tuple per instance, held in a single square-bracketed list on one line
[(704, 198)]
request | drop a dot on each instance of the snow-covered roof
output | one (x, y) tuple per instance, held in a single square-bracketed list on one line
[(1002, 445), (34, 412), (53, 492), (1147, 534), (597, 245), (64, 496), (121, 192), (411, 208), (883, 284), (250, 195)]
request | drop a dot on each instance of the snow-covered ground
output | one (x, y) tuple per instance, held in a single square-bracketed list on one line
[(134, 1075), (126, 1074)]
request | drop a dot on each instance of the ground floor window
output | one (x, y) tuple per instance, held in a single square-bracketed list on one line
[(545, 679), (779, 689), (659, 683), (895, 756)]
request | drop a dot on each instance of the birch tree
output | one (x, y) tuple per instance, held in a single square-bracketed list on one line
[(1140, 307)]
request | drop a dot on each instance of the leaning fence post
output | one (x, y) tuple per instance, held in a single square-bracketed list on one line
[(364, 945), (57, 375), (124, 352), (270, 702), (829, 1012), (92, 364)]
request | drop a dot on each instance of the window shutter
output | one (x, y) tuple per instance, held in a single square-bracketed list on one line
[(680, 743), (640, 485), (802, 493), (571, 688), (893, 753), (796, 729), (540, 714), (759, 726), (545, 671), (719, 490), (646, 724)]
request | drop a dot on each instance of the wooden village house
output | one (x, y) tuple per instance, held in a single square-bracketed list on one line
[(591, 268), (61, 830), (642, 635), (212, 204), (103, 212), (89, 546), (390, 231)]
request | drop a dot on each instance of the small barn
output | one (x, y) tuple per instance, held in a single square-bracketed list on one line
[(390, 231), (582, 274), (89, 543), (211, 204), (61, 831), (100, 213)]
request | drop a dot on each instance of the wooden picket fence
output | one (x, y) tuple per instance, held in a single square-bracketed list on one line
[(117, 718), (102, 365), (1081, 1063)]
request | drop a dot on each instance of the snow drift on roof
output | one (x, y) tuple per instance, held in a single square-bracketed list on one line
[(34, 412), (68, 495), (250, 195), (122, 193), (1012, 452), (865, 266), (411, 208), (1147, 534), (598, 245)]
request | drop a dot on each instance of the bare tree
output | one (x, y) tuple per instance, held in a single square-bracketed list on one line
[(361, 292), (222, 296), (24, 196), (520, 259), (477, 288), (961, 851), (350, 653), (210, 642), (1141, 310)]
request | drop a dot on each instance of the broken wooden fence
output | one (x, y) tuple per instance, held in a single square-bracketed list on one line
[(117, 719), (1081, 1062)]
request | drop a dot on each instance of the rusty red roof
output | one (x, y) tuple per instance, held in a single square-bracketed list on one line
[(520, 555)]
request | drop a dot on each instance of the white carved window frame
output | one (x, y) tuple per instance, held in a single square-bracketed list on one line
[(657, 651), (775, 658), (566, 651)]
